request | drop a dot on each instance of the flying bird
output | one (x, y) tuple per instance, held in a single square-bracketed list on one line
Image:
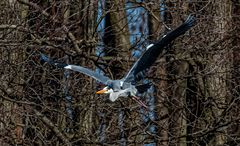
[(126, 86)]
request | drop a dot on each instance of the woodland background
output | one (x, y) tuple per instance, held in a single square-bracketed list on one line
[(194, 100)]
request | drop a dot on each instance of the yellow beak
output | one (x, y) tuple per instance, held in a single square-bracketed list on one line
[(101, 91)]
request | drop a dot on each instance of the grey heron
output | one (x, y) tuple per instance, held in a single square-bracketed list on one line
[(125, 87)]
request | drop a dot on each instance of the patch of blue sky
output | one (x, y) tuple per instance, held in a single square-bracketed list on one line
[(100, 28), (162, 9), (100, 31), (69, 108), (137, 17), (100, 53), (150, 144), (121, 119), (101, 25), (136, 53)]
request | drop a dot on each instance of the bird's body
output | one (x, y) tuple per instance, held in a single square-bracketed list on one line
[(121, 89), (126, 87)]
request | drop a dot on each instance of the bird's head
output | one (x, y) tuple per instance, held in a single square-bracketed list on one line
[(105, 90)]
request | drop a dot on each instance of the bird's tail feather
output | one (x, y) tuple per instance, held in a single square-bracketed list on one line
[(50, 61), (190, 22), (143, 88)]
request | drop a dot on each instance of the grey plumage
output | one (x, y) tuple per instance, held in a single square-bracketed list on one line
[(125, 86), (152, 53)]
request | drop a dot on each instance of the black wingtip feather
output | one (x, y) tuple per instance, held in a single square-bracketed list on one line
[(191, 21), (144, 87), (50, 61), (150, 56)]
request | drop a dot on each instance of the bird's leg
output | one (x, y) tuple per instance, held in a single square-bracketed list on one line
[(138, 100)]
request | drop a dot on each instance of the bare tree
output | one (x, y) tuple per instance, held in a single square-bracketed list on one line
[(196, 83)]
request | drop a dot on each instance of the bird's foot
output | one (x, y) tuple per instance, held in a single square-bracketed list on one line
[(138, 100)]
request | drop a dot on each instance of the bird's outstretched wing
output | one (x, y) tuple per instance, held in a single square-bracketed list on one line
[(154, 50), (101, 78)]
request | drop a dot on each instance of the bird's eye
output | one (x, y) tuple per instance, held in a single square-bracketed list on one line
[(110, 86)]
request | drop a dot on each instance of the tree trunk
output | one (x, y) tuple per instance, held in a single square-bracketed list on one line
[(219, 65), (12, 78), (118, 24), (116, 43), (234, 129), (156, 25), (178, 69)]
